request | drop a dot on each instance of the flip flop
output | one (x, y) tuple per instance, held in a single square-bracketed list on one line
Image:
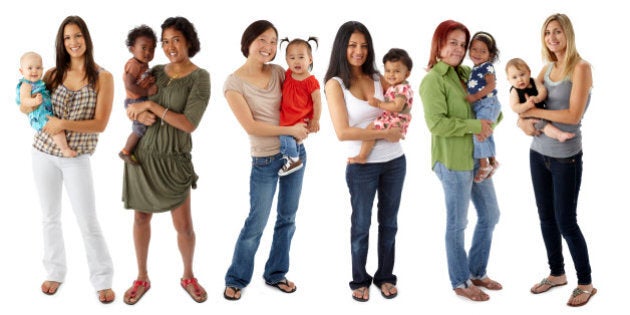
[(388, 287), (284, 282), (361, 298), (132, 293), (579, 291), (546, 281), (233, 297)]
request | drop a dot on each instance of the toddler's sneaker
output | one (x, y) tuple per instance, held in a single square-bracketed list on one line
[(290, 166)]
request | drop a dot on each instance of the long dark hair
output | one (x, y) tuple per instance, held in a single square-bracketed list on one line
[(63, 58), (338, 65)]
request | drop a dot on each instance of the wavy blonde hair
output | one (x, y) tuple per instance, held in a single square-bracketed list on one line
[(572, 57)]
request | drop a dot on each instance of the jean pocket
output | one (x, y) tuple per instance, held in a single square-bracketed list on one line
[(264, 161), (569, 160)]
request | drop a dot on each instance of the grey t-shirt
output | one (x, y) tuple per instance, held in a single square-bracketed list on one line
[(558, 96)]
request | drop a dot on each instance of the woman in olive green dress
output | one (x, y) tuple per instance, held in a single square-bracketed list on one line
[(165, 175)]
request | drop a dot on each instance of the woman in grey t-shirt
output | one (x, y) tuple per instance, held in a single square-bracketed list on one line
[(556, 167)]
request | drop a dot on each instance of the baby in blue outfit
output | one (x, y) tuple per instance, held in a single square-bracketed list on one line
[(32, 92)]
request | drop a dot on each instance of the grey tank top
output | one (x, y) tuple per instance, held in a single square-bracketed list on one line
[(558, 95)]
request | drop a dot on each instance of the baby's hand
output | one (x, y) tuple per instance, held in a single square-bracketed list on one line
[(152, 90), (146, 82), (38, 99), (135, 109), (470, 98), (374, 101), (530, 103), (313, 125)]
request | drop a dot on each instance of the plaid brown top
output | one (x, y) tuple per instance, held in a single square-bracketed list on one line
[(71, 105)]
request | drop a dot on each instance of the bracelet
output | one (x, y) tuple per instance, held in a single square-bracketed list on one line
[(163, 115)]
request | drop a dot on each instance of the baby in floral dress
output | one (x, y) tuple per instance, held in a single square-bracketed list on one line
[(398, 100)]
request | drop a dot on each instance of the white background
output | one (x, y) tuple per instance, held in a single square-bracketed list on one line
[(320, 257)]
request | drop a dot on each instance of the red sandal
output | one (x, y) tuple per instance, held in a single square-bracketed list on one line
[(131, 296), (198, 294)]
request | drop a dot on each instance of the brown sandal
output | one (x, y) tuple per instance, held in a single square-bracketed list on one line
[(547, 282), (472, 294), (487, 283), (577, 292)]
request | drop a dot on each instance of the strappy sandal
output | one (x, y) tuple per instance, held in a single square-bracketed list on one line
[(547, 282), (133, 295), (577, 292), (198, 294)]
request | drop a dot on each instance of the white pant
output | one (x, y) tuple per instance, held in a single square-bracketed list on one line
[(76, 173)]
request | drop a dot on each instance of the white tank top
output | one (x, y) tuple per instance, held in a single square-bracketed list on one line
[(361, 114)]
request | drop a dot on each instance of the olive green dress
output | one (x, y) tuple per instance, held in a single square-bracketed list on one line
[(165, 175)]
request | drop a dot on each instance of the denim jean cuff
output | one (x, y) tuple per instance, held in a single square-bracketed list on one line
[(478, 277), (464, 285)]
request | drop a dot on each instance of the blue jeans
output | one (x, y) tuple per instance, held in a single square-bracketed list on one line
[(364, 181), (263, 182), (459, 190), (486, 108), (288, 146), (556, 187)]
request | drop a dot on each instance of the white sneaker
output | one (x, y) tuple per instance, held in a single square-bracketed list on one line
[(290, 166)]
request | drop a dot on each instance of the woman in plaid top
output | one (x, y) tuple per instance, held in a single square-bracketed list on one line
[(82, 95)]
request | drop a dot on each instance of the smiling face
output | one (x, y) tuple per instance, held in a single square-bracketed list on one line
[(454, 50), (518, 78), (31, 67), (298, 58), (396, 72), (73, 40), (143, 49), (479, 52), (264, 47), (174, 45), (357, 51), (555, 38)]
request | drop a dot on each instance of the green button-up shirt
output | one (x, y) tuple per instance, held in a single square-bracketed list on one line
[(449, 116)]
